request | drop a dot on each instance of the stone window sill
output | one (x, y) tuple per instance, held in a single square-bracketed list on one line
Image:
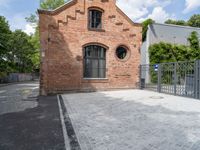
[(96, 29), (95, 80)]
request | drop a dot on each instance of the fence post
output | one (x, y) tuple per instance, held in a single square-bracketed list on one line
[(197, 79), (175, 77), (159, 78), (140, 77)]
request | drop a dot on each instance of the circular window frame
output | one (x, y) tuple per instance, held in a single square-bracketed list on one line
[(128, 54)]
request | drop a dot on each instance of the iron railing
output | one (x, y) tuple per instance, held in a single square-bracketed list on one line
[(177, 78)]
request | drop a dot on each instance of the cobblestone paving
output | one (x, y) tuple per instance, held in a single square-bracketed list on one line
[(134, 120), (13, 98)]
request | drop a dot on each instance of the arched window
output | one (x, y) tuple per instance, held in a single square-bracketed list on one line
[(95, 19), (94, 62)]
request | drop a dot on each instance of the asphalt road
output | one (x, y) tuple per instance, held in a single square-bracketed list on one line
[(18, 97), (29, 122)]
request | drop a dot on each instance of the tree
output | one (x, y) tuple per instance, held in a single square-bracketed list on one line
[(4, 50), (194, 21), (145, 25), (22, 51), (33, 19), (166, 52), (34, 40), (4, 36), (176, 22), (194, 44), (51, 4)]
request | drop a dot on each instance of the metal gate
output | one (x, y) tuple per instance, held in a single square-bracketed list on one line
[(177, 78)]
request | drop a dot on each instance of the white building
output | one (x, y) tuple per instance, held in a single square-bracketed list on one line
[(167, 33)]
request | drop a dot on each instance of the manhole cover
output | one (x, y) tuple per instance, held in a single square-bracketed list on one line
[(156, 97)]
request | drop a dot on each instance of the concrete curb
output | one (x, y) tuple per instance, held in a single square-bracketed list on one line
[(7, 84)]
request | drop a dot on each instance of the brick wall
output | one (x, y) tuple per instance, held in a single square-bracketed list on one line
[(64, 32)]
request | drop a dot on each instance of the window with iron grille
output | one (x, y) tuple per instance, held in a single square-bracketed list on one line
[(95, 21), (94, 62)]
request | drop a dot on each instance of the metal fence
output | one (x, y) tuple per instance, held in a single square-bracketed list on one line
[(178, 78), (19, 77)]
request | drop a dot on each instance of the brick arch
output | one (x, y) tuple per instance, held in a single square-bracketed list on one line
[(96, 8), (96, 43)]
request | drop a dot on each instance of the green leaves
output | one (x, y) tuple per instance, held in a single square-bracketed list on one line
[(166, 52), (4, 36), (145, 28), (176, 22), (51, 4), (194, 40), (19, 52), (194, 21)]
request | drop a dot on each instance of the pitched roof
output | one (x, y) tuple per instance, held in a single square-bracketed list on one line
[(177, 26), (73, 2), (59, 9), (175, 34)]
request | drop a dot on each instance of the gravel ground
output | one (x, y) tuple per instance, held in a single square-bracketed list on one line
[(134, 120)]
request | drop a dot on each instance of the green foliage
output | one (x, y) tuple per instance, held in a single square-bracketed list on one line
[(51, 4), (5, 34), (160, 53), (194, 40), (22, 51), (194, 44), (176, 22), (194, 21), (34, 39), (19, 52), (166, 52), (32, 18), (145, 28)]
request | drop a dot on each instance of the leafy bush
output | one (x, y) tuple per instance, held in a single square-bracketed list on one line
[(166, 52)]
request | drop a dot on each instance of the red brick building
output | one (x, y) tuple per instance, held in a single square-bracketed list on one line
[(88, 45)]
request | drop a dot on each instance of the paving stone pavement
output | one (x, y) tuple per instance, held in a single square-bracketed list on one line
[(134, 120)]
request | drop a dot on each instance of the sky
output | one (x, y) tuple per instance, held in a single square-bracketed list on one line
[(15, 11)]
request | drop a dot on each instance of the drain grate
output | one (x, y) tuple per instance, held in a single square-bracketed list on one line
[(156, 97)]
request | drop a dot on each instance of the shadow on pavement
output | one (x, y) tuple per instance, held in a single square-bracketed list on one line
[(38, 128)]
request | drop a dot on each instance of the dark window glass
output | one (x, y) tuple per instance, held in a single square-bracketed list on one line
[(95, 19), (121, 52), (94, 62)]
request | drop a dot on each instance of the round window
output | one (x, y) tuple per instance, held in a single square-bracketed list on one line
[(121, 52)]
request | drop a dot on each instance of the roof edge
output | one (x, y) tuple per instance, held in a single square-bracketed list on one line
[(73, 2), (178, 26), (57, 10), (127, 18)]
